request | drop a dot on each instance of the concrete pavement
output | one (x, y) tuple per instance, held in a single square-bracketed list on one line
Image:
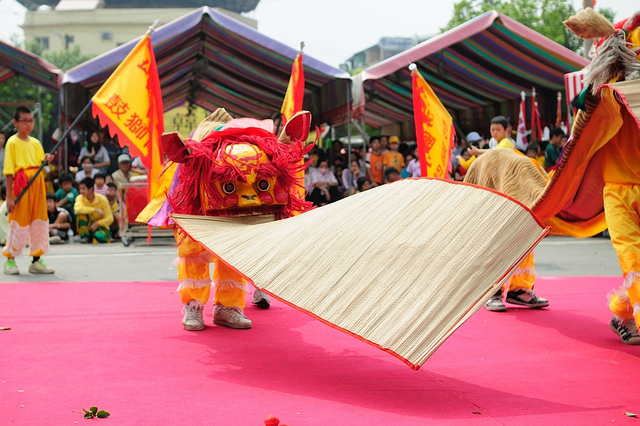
[(555, 256)]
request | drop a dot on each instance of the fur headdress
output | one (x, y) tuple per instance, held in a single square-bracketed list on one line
[(616, 56)]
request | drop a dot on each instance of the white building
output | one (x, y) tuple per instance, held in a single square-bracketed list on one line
[(96, 28)]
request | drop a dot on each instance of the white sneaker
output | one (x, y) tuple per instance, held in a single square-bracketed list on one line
[(261, 299), (39, 267), (55, 240), (230, 317), (193, 320), (10, 267)]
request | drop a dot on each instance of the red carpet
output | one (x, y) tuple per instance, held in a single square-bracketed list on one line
[(121, 347)]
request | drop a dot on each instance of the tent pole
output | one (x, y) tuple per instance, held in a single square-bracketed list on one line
[(348, 165), (54, 149)]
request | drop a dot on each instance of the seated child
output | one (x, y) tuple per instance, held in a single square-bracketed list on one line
[(59, 221), (112, 197), (363, 184), (465, 160), (93, 214), (67, 195), (100, 180)]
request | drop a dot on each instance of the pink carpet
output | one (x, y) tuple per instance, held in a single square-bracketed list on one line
[(121, 347)]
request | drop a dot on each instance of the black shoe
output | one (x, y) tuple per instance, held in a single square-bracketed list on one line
[(627, 330), (526, 298)]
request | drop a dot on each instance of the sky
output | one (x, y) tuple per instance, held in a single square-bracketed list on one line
[(333, 30), (11, 16)]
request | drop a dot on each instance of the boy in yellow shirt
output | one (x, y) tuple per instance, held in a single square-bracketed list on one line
[(28, 220)]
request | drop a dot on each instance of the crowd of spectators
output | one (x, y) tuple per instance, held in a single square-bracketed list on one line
[(333, 174)]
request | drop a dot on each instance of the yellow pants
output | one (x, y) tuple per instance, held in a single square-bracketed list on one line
[(28, 222), (194, 279), (622, 209), (524, 276)]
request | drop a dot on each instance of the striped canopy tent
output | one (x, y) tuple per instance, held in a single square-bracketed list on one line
[(16, 61), (477, 69), (211, 60)]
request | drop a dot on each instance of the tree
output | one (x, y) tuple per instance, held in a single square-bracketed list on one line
[(20, 90), (543, 16), (63, 59)]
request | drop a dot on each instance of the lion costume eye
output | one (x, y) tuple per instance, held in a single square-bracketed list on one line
[(229, 188), (263, 185)]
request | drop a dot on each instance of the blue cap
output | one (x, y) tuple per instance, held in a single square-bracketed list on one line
[(474, 137)]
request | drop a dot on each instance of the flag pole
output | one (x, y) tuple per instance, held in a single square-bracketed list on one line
[(534, 103), (54, 149)]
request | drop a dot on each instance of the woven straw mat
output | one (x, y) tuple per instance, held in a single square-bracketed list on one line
[(631, 92), (401, 266)]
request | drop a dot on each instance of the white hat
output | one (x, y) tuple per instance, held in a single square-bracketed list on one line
[(122, 158)]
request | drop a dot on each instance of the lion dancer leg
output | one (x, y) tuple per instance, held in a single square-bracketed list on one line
[(231, 289), (622, 210), (520, 289), (521, 286), (194, 281)]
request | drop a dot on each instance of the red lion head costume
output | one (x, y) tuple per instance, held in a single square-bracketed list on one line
[(239, 167)]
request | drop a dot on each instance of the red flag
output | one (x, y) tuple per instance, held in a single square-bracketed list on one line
[(295, 91), (536, 129), (521, 136), (130, 103), (434, 128)]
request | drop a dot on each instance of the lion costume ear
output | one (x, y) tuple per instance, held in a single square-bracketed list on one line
[(174, 147), (588, 23), (296, 129)]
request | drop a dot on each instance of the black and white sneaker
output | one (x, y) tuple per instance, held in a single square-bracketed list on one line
[(626, 329), (495, 304), (526, 298)]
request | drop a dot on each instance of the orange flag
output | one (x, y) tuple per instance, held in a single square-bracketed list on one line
[(293, 103), (434, 128), (295, 91), (130, 103)]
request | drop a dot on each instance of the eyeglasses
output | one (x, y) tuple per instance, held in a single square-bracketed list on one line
[(28, 121)]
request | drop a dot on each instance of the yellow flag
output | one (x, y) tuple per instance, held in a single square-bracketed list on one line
[(130, 103)]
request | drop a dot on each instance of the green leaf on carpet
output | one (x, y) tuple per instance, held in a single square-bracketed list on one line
[(93, 412), (628, 414)]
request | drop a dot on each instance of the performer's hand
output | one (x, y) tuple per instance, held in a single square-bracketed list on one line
[(10, 204), (49, 157)]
